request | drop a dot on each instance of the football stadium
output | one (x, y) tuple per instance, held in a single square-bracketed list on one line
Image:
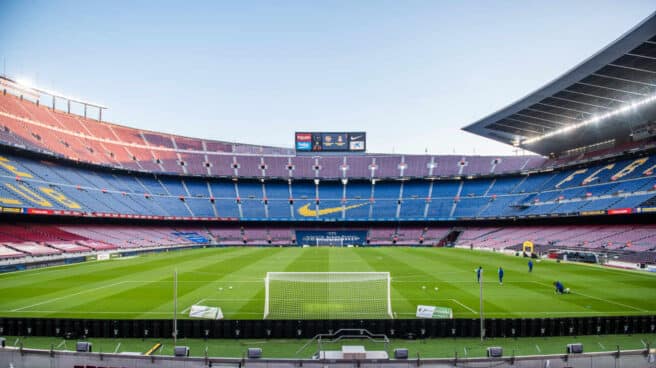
[(127, 247)]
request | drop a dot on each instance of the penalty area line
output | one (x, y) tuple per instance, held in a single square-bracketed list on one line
[(464, 306)]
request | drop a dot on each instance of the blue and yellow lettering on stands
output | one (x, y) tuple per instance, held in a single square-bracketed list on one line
[(60, 197), (4, 163), (28, 194), (571, 177), (630, 168), (650, 170), (10, 201), (594, 176)]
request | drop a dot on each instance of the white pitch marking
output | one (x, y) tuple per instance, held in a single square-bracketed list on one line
[(108, 312), (469, 309), (601, 299), (118, 346), (533, 313), (184, 311), (538, 348), (68, 296), (610, 301), (601, 346)]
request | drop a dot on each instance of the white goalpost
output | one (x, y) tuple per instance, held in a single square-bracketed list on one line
[(330, 242), (327, 295)]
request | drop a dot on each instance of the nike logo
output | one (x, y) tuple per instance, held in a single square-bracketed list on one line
[(305, 211), (356, 137)]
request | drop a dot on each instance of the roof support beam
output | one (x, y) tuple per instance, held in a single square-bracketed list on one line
[(580, 102), (543, 127), (632, 68), (557, 123), (553, 113), (595, 96), (564, 108), (611, 89), (641, 56), (624, 79), (518, 128)]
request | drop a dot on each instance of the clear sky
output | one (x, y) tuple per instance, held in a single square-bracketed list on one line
[(409, 73)]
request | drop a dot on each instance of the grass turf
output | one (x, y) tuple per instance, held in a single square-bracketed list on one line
[(289, 348), (232, 278)]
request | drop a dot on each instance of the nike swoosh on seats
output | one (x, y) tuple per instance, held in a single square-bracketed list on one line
[(305, 211)]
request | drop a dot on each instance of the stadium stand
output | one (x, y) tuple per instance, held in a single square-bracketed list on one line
[(24, 124), (8, 253), (31, 183), (625, 242)]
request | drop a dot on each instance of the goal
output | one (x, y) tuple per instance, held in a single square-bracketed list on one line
[(330, 242), (327, 295)]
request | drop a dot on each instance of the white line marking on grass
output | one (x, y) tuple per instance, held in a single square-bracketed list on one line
[(466, 307), (610, 302), (442, 282), (597, 298), (61, 344), (644, 344), (184, 311), (538, 348), (87, 312), (118, 346), (601, 345), (259, 281), (68, 296)]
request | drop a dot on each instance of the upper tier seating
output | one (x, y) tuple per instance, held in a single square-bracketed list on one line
[(39, 128)]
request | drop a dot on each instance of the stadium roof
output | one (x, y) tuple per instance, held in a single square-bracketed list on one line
[(603, 98)]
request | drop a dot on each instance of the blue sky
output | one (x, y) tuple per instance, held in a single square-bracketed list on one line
[(410, 73)]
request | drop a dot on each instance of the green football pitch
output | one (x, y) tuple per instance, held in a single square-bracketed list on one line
[(233, 279)]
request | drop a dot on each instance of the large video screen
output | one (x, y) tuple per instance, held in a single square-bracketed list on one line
[(331, 142)]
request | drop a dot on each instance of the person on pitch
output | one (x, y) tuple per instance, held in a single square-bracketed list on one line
[(500, 276), (530, 265), (478, 271), (560, 288)]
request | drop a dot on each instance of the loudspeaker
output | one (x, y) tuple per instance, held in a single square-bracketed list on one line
[(83, 347), (575, 348), (401, 353), (3, 342), (495, 351), (181, 351), (254, 353)]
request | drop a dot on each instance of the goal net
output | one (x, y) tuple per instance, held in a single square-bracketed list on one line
[(327, 295), (330, 241)]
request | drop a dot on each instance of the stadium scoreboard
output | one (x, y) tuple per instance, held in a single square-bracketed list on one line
[(331, 141)]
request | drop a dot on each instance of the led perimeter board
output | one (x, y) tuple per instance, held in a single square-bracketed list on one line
[(330, 141)]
